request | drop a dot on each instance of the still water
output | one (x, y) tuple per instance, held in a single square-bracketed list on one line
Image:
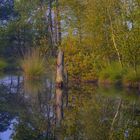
[(35, 110)]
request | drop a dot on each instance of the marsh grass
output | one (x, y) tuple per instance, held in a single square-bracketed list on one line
[(115, 74), (33, 65), (131, 79), (112, 74)]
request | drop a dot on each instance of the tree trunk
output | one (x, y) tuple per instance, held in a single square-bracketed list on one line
[(59, 106), (113, 39), (51, 23), (60, 70), (58, 23)]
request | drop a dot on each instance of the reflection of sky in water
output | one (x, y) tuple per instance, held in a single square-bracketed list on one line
[(7, 80), (95, 111), (7, 134), (11, 80)]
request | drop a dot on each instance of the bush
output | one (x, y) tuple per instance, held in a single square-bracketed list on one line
[(113, 73), (3, 64), (33, 65), (131, 79), (79, 59)]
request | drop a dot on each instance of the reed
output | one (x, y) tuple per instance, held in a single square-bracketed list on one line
[(33, 65)]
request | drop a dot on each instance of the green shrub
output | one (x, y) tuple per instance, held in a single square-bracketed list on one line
[(131, 78), (33, 65), (80, 60), (3, 64), (112, 73)]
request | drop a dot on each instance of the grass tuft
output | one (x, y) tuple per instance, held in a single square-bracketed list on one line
[(33, 65), (112, 74), (131, 79)]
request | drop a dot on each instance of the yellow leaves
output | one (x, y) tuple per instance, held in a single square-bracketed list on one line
[(80, 58)]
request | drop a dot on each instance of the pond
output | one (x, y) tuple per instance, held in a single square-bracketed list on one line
[(35, 110)]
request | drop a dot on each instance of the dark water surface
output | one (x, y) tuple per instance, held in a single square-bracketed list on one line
[(35, 110)]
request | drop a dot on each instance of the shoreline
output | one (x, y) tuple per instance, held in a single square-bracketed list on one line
[(107, 83)]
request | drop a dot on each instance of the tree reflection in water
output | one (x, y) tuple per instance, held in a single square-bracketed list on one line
[(85, 112), (93, 115)]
